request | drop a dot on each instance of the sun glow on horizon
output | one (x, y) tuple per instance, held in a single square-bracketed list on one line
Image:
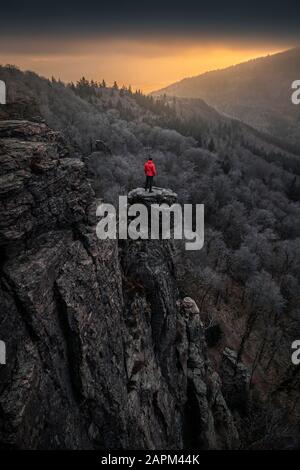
[(144, 64)]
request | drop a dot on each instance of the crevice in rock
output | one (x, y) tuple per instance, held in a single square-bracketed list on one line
[(192, 421), (62, 314)]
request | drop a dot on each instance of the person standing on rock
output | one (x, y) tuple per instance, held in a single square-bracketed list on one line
[(150, 171)]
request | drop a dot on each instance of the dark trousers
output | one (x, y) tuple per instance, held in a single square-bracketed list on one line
[(148, 184)]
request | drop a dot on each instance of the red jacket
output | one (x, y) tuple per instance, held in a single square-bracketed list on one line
[(149, 168)]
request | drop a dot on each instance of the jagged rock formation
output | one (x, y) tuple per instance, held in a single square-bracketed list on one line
[(101, 350)]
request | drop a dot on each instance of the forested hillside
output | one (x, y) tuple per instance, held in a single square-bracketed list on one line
[(257, 92), (246, 278)]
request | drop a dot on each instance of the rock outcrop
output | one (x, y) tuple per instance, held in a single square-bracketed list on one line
[(101, 350), (157, 196)]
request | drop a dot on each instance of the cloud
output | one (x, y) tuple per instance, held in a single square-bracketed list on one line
[(190, 18), (143, 63), (146, 44)]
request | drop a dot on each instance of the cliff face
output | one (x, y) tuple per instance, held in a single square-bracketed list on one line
[(101, 350)]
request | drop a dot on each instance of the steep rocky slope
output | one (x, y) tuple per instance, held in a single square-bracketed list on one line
[(101, 350)]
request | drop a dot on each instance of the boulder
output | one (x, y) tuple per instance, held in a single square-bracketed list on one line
[(190, 306)]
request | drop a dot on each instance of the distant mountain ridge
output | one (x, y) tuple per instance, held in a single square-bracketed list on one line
[(257, 92)]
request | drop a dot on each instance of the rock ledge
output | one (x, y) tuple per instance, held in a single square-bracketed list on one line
[(158, 196)]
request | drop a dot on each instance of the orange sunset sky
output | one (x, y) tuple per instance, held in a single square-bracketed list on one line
[(145, 63)]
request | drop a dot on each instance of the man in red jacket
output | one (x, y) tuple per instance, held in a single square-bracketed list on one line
[(150, 171)]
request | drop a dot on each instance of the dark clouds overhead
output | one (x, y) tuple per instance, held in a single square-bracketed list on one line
[(188, 17)]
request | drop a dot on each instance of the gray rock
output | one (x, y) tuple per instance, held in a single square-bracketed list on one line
[(101, 353), (158, 196), (190, 306)]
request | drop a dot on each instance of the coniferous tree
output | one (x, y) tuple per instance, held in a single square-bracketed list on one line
[(211, 145)]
